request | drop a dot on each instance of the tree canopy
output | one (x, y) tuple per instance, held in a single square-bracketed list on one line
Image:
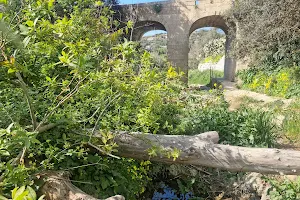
[(268, 31)]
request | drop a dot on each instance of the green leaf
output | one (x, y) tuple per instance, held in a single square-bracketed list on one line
[(21, 196), (24, 30), (50, 4), (41, 197), (13, 192), (18, 192), (30, 23), (11, 70), (35, 21), (104, 183), (98, 3), (8, 130), (48, 78), (129, 24), (31, 193), (4, 153), (3, 198), (26, 41)]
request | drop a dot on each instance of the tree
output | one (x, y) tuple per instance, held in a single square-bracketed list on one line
[(65, 77), (268, 31), (204, 44), (68, 85)]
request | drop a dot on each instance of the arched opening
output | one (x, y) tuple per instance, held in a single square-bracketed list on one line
[(142, 27), (153, 38), (209, 46), (206, 55)]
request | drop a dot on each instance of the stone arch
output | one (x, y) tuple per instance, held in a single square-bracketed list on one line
[(143, 27), (210, 21), (219, 22)]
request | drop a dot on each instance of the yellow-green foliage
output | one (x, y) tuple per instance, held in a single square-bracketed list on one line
[(282, 83), (213, 59)]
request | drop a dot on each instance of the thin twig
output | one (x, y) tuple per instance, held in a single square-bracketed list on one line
[(85, 120), (92, 164), (49, 126), (22, 156), (75, 89), (28, 99), (103, 152), (98, 119)]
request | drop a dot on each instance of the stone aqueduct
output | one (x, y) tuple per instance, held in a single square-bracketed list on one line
[(180, 18)]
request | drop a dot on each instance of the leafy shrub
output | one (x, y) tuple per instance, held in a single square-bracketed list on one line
[(281, 82), (243, 127), (23, 193), (77, 75), (284, 190), (112, 176)]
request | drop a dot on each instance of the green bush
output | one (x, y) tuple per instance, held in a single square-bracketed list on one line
[(76, 74), (267, 32), (243, 127), (282, 82), (284, 190)]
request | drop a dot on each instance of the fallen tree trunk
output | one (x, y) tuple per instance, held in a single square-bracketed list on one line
[(194, 150), (59, 187)]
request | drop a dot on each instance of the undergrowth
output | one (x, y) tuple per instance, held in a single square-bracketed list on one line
[(202, 78), (281, 82)]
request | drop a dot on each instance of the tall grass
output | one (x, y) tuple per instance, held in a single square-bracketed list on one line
[(291, 125), (197, 77)]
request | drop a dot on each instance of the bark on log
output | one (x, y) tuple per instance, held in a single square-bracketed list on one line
[(195, 151), (59, 187)]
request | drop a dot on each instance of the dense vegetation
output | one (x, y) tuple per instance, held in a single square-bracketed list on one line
[(281, 82), (269, 33), (206, 45), (68, 74), (269, 41)]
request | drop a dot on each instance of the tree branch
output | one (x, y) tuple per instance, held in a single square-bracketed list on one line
[(28, 99)]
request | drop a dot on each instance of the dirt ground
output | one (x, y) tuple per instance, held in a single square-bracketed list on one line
[(236, 96)]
